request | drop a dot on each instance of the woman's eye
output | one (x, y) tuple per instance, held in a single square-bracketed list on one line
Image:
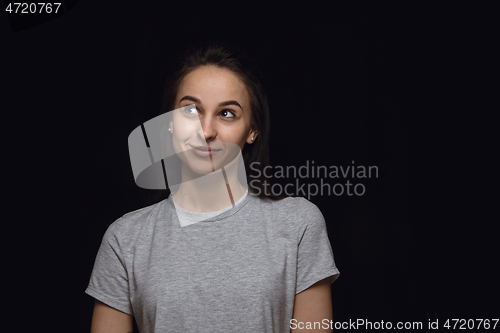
[(191, 111), (227, 114)]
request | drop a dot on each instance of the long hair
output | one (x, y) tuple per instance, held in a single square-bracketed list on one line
[(243, 66)]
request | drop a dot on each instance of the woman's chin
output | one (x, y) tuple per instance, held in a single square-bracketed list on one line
[(201, 169)]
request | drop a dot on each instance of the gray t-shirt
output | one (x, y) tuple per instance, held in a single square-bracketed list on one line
[(186, 217), (235, 272)]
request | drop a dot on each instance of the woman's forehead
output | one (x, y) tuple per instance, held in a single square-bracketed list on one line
[(213, 83)]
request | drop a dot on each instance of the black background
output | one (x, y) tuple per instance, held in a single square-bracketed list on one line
[(363, 81)]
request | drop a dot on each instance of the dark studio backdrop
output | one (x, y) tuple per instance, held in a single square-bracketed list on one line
[(345, 82)]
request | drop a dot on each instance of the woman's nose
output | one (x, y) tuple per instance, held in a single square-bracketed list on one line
[(208, 130)]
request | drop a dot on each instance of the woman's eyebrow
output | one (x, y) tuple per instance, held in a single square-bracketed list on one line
[(230, 103), (197, 100), (191, 98)]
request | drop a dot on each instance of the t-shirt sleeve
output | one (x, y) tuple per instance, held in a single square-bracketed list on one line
[(109, 281), (315, 260)]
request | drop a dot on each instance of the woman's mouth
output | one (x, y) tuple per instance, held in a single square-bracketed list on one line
[(204, 150)]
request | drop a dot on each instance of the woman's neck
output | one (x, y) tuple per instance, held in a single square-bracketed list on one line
[(209, 193)]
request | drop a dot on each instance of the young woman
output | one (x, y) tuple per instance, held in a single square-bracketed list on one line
[(249, 262)]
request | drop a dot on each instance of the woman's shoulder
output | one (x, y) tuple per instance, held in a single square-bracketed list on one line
[(302, 214), (296, 210), (142, 213), (132, 222)]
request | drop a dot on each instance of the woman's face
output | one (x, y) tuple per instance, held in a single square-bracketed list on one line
[(220, 119)]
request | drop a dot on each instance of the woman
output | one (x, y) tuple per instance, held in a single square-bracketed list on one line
[(250, 263)]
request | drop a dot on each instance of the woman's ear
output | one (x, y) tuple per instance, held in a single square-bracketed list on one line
[(252, 136)]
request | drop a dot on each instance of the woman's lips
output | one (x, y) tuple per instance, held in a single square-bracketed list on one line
[(204, 151)]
